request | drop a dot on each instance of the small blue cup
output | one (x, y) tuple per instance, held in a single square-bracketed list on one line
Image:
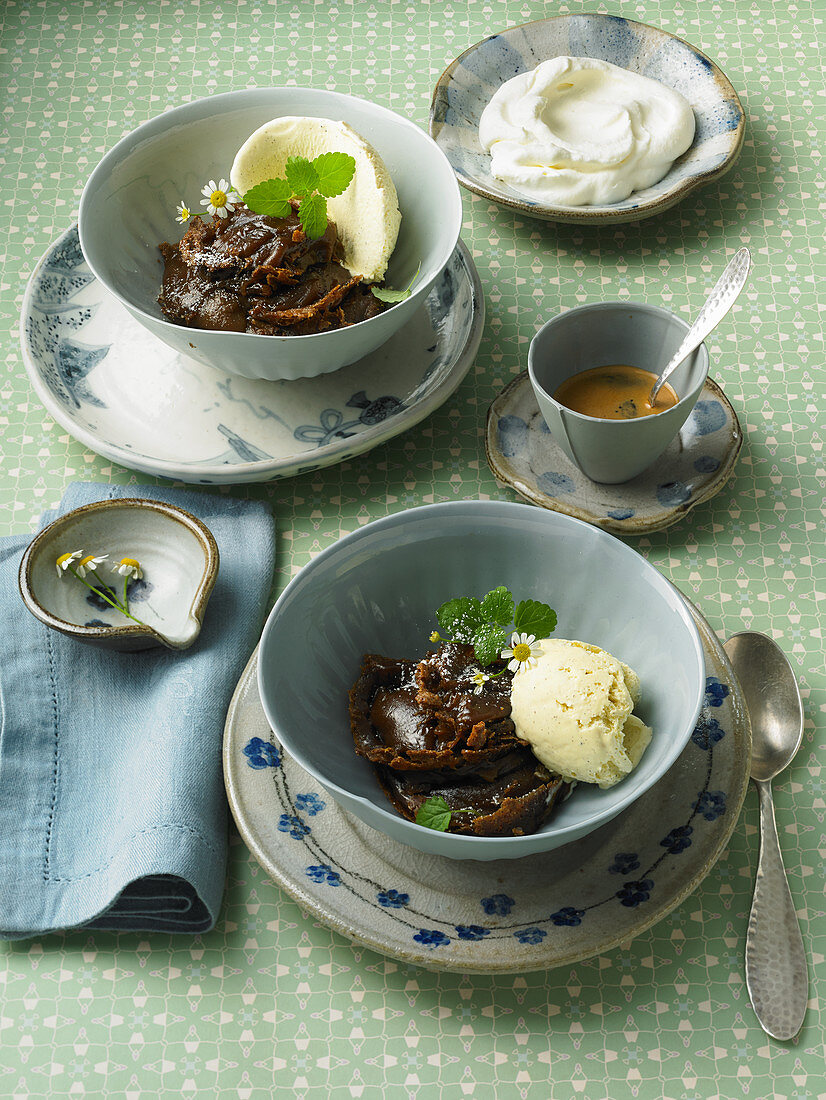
[(602, 334)]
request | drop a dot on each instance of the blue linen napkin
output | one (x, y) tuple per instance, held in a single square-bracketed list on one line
[(112, 806)]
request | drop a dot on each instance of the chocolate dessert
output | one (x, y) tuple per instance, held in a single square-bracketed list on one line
[(254, 273), (431, 731)]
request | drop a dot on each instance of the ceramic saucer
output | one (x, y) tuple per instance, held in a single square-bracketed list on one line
[(696, 465), (129, 397), (504, 915)]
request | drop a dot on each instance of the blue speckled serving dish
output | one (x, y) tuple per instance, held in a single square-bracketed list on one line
[(546, 910), (694, 467), (467, 84), (130, 397)]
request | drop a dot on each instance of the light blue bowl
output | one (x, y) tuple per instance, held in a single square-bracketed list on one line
[(376, 591), (466, 86), (128, 207)]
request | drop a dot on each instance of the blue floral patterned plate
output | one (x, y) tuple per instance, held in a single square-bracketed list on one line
[(696, 465), (504, 915), (467, 84), (129, 397)]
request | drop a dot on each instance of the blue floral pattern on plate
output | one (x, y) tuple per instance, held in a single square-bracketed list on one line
[(86, 355), (578, 901), (498, 905), (261, 754), (624, 863), (472, 931), (323, 872), (310, 804), (521, 453), (392, 899)]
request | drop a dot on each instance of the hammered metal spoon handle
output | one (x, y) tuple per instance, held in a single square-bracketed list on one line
[(717, 305), (776, 974)]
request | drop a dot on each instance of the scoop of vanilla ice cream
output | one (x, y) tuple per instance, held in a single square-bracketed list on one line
[(366, 215), (574, 709)]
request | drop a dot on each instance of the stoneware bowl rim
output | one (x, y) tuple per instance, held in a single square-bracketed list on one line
[(605, 213), (133, 630), (450, 844), (158, 124), (607, 307)]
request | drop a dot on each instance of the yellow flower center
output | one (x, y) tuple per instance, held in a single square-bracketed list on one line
[(521, 652), (131, 563), (87, 560), (64, 558), (218, 199)]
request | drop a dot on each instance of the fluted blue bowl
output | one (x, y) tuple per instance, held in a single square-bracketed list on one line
[(128, 207), (377, 591)]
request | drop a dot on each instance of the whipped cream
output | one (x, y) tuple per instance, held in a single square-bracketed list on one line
[(577, 131)]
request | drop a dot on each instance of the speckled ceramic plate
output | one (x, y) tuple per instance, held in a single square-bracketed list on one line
[(504, 915), (696, 465), (467, 84), (129, 397)]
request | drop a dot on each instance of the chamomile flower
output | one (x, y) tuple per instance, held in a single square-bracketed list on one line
[(480, 679), (523, 652), (129, 567), (219, 198), (65, 561), (89, 564), (184, 213)]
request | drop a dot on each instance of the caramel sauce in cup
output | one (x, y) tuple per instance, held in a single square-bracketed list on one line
[(616, 392)]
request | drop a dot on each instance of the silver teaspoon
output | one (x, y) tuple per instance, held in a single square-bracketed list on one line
[(717, 305), (776, 973)]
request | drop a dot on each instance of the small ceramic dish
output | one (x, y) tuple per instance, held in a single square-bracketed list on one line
[(467, 84), (128, 207), (178, 566), (377, 591), (694, 467)]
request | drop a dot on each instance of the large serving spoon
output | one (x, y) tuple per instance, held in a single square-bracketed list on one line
[(776, 973), (717, 305)]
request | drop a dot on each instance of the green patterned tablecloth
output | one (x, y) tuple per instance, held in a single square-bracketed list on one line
[(272, 1000)]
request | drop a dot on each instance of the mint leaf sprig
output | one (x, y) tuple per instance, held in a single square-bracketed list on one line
[(391, 297), (434, 813), (483, 623), (311, 182)]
